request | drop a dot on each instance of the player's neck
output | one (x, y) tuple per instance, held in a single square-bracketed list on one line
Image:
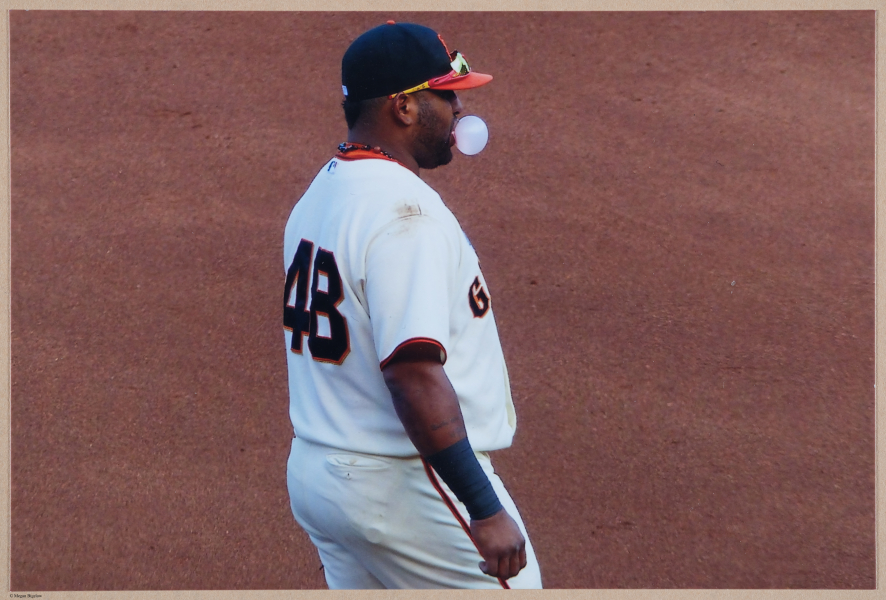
[(390, 147)]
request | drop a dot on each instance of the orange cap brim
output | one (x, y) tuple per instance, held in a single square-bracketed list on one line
[(471, 80)]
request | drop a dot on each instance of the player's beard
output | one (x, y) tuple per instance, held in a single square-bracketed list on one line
[(433, 149)]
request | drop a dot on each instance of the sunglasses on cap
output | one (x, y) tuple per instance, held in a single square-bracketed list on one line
[(460, 68)]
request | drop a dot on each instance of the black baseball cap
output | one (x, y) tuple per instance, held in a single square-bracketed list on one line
[(403, 57)]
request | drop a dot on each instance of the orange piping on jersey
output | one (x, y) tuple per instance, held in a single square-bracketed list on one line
[(361, 154), (385, 362), (451, 506)]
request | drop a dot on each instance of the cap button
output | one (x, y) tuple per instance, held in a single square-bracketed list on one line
[(391, 22)]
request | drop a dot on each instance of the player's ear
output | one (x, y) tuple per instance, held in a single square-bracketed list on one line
[(404, 108)]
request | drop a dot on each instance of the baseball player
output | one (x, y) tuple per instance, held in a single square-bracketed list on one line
[(397, 381)]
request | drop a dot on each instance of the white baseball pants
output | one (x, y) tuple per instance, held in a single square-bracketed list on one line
[(378, 522)]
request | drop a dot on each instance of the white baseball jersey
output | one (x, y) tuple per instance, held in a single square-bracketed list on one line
[(375, 260)]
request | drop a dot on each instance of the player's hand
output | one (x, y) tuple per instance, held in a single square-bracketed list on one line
[(501, 545)]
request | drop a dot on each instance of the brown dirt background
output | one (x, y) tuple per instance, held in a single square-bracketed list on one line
[(675, 216)]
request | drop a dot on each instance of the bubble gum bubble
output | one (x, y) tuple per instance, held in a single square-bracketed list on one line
[(471, 135)]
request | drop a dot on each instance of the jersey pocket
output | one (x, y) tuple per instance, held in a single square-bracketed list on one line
[(362, 486), (346, 465)]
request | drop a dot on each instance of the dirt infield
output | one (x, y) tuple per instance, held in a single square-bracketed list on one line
[(675, 216)]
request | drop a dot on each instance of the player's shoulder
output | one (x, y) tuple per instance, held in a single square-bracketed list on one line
[(390, 190), (370, 195)]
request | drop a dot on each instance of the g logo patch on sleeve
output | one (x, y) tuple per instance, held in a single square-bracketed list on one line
[(478, 298)]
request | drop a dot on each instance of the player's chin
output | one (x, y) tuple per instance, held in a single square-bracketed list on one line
[(441, 158), (446, 157)]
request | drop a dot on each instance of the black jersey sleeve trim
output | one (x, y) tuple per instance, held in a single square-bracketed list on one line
[(416, 340)]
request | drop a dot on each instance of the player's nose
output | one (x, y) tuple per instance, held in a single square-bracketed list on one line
[(456, 104)]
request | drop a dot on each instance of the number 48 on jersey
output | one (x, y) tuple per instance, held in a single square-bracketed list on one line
[(301, 320)]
